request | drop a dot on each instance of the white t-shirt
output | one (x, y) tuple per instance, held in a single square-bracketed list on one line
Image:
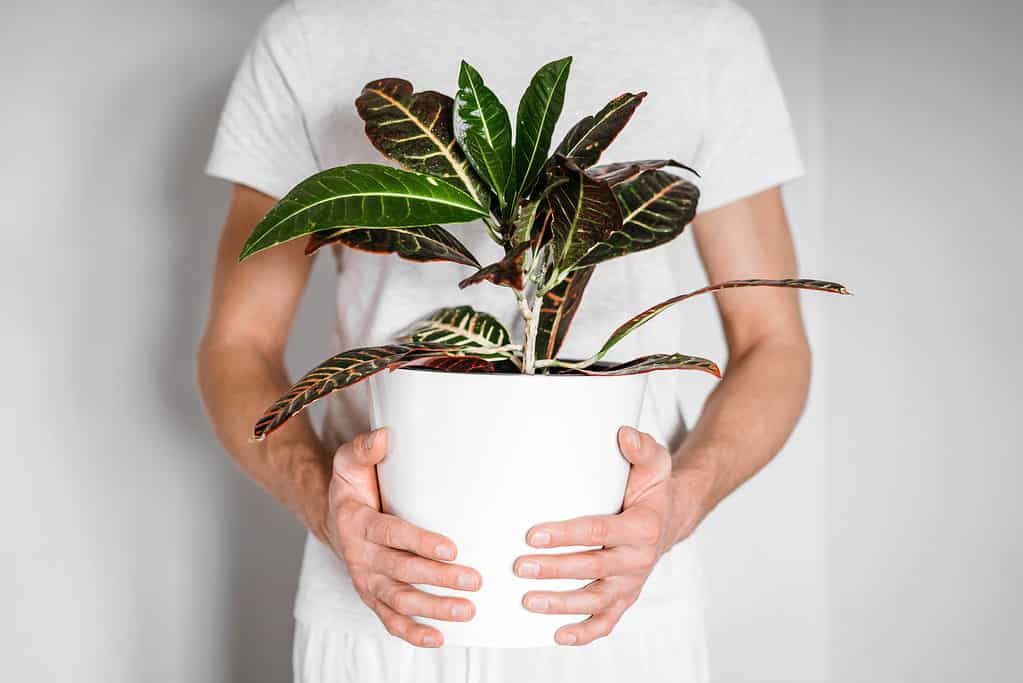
[(714, 104)]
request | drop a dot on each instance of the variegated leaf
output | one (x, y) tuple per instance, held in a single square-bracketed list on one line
[(656, 206), (584, 213), (626, 171), (363, 196), (588, 139), (428, 243), (506, 273), (464, 327), (557, 310), (483, 130), (537, 116), (338, 372), (415, 129), (466, 364), (657, 361), (634, 322)]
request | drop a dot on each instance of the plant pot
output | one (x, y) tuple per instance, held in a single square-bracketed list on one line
[(483, 457)]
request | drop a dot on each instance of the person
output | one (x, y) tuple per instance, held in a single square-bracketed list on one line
[(715, 104)]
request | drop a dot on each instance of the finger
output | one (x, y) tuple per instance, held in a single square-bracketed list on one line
[(412, 602), (591, 599), (362, 452), (641, 449), (596, 530), (597, 626), (592, 564), (394, 532), (401, 626), (409, 568)]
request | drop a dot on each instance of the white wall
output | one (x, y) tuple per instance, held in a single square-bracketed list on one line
[(924, 103), (882, 545)]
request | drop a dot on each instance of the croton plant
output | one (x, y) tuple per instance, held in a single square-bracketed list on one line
[(556, 216)]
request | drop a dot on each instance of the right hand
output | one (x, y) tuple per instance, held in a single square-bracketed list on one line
[(385, 554)]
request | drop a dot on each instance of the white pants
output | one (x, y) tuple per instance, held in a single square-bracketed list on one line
[(673, 650)]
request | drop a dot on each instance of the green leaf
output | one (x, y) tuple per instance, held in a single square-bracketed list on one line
[(338, 372), (483, 130), (656, 207), (588, 139), (363, 196), (636, 321), (429, 243), (584, 213), (415, 129), (626, 171), (465, 328), (537, 115), (505, 273), (557, 310), (657, 361)]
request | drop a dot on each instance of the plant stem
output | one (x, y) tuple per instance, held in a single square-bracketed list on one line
[(532, 327)]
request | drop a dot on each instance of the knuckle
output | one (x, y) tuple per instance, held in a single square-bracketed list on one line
[(402, 601), (599, 530), (595, 567), (648, 527), (647, 558), (394, 626)]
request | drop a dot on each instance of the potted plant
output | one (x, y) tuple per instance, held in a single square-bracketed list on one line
[(513, 405)]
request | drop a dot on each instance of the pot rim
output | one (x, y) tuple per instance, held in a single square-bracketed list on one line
[(491, 375)]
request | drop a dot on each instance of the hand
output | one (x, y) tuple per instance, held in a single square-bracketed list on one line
[(385, 554), (632, 543)]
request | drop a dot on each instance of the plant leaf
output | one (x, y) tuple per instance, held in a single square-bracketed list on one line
[(483, 130), (415, 129), (536, 117), (585, 213), (656, 207), (466, 364), (626, 171), (428, 243), (462, 327), (506, 273), (557, 311), (657, 361), (588, 139), (338, 372), (634, 322), (364, 196)]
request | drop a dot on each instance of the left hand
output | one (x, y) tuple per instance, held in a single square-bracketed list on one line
[(632, 543)]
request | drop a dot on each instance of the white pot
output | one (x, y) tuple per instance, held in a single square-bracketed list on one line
[(483, 457)]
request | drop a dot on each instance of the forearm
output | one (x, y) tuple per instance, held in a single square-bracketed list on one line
[(237, 384), (745, 422)]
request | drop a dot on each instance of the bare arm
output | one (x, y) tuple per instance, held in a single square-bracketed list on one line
[(241, 363), (752, 411), (241, 372)]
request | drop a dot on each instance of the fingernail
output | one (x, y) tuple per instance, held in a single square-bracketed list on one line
[(444, 551), (567, 638), (528, 569), (369, 439), (632, 437), (466, 581), (538, 604), (540, 538), (460, 612), (430, 641)]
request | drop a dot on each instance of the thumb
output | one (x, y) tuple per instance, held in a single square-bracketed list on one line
[(362, 452), (639, 448)]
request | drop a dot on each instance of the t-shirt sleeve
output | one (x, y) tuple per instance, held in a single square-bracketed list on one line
[(748, 144), (263, 137)]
